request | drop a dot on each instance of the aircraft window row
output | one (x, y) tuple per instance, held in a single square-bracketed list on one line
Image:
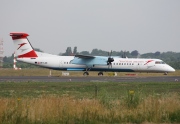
[(65, 62), (159, 62), (123, 63)]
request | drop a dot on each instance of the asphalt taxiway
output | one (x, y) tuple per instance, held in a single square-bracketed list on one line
[(88, 79)]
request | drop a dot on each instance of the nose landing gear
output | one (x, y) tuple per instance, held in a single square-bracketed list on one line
[(165, 73)]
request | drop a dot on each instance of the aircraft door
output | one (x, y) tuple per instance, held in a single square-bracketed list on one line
[(150, 66), (139, 66), (61, 63)]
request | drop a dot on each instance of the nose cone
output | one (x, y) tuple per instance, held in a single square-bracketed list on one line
[(171, 69)]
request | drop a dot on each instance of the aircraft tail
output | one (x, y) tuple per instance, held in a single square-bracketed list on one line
[(23, 48)]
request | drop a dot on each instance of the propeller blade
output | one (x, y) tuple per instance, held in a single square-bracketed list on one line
[(110, 59), (111, 53)]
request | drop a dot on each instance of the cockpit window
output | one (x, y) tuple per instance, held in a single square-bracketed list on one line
[(160, 62)]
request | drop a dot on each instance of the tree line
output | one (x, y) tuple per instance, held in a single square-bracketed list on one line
[(171, 58)]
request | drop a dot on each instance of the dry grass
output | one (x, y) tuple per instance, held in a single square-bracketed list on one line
[(64, 109), (46, 72)]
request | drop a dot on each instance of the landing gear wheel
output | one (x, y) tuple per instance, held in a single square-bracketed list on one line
[(100, 74), (85, 73), (165, 73)]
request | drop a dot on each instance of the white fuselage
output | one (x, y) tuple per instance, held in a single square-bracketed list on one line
[(119, 64)]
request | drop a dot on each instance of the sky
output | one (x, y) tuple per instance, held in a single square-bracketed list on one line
[(54, 25)]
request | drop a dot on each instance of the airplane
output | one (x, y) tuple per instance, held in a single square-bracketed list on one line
[(25, 53)]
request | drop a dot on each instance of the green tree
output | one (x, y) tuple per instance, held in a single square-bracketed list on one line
[(135, 53), (85, 53), (68, 52), (37, 49), (157, 53), (75, 51)]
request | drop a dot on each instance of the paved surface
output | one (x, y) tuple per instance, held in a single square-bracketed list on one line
[(89, 79)]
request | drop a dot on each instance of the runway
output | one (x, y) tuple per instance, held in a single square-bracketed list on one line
[(88, 79)]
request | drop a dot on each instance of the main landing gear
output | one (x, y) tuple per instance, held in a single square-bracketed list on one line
[(85, 73), (100, 73)]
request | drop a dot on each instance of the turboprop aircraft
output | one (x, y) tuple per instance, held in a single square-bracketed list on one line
[(25, 53)]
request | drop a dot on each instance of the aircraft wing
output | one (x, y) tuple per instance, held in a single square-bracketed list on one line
[(89, 61), (85, 56)]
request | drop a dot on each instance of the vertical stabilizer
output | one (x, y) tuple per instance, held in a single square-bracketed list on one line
[(23, 48)]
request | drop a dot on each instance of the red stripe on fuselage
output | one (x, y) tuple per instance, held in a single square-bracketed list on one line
[(28, 55), (148, 62)]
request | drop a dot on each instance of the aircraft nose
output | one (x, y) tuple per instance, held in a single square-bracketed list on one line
[(171, 69)]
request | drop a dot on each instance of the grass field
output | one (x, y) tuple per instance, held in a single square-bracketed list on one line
[(72, 102), (87, 102)]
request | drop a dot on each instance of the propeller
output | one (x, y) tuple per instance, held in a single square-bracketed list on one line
[(110, 60), (124, 54)]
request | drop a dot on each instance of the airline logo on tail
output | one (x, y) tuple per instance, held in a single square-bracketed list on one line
[(22, 46)]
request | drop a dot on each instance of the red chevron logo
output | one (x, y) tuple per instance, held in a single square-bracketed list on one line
[(21, 45), (148, 62)]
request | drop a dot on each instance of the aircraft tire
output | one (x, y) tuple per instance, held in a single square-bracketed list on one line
[(100, 74), (85, 73)]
